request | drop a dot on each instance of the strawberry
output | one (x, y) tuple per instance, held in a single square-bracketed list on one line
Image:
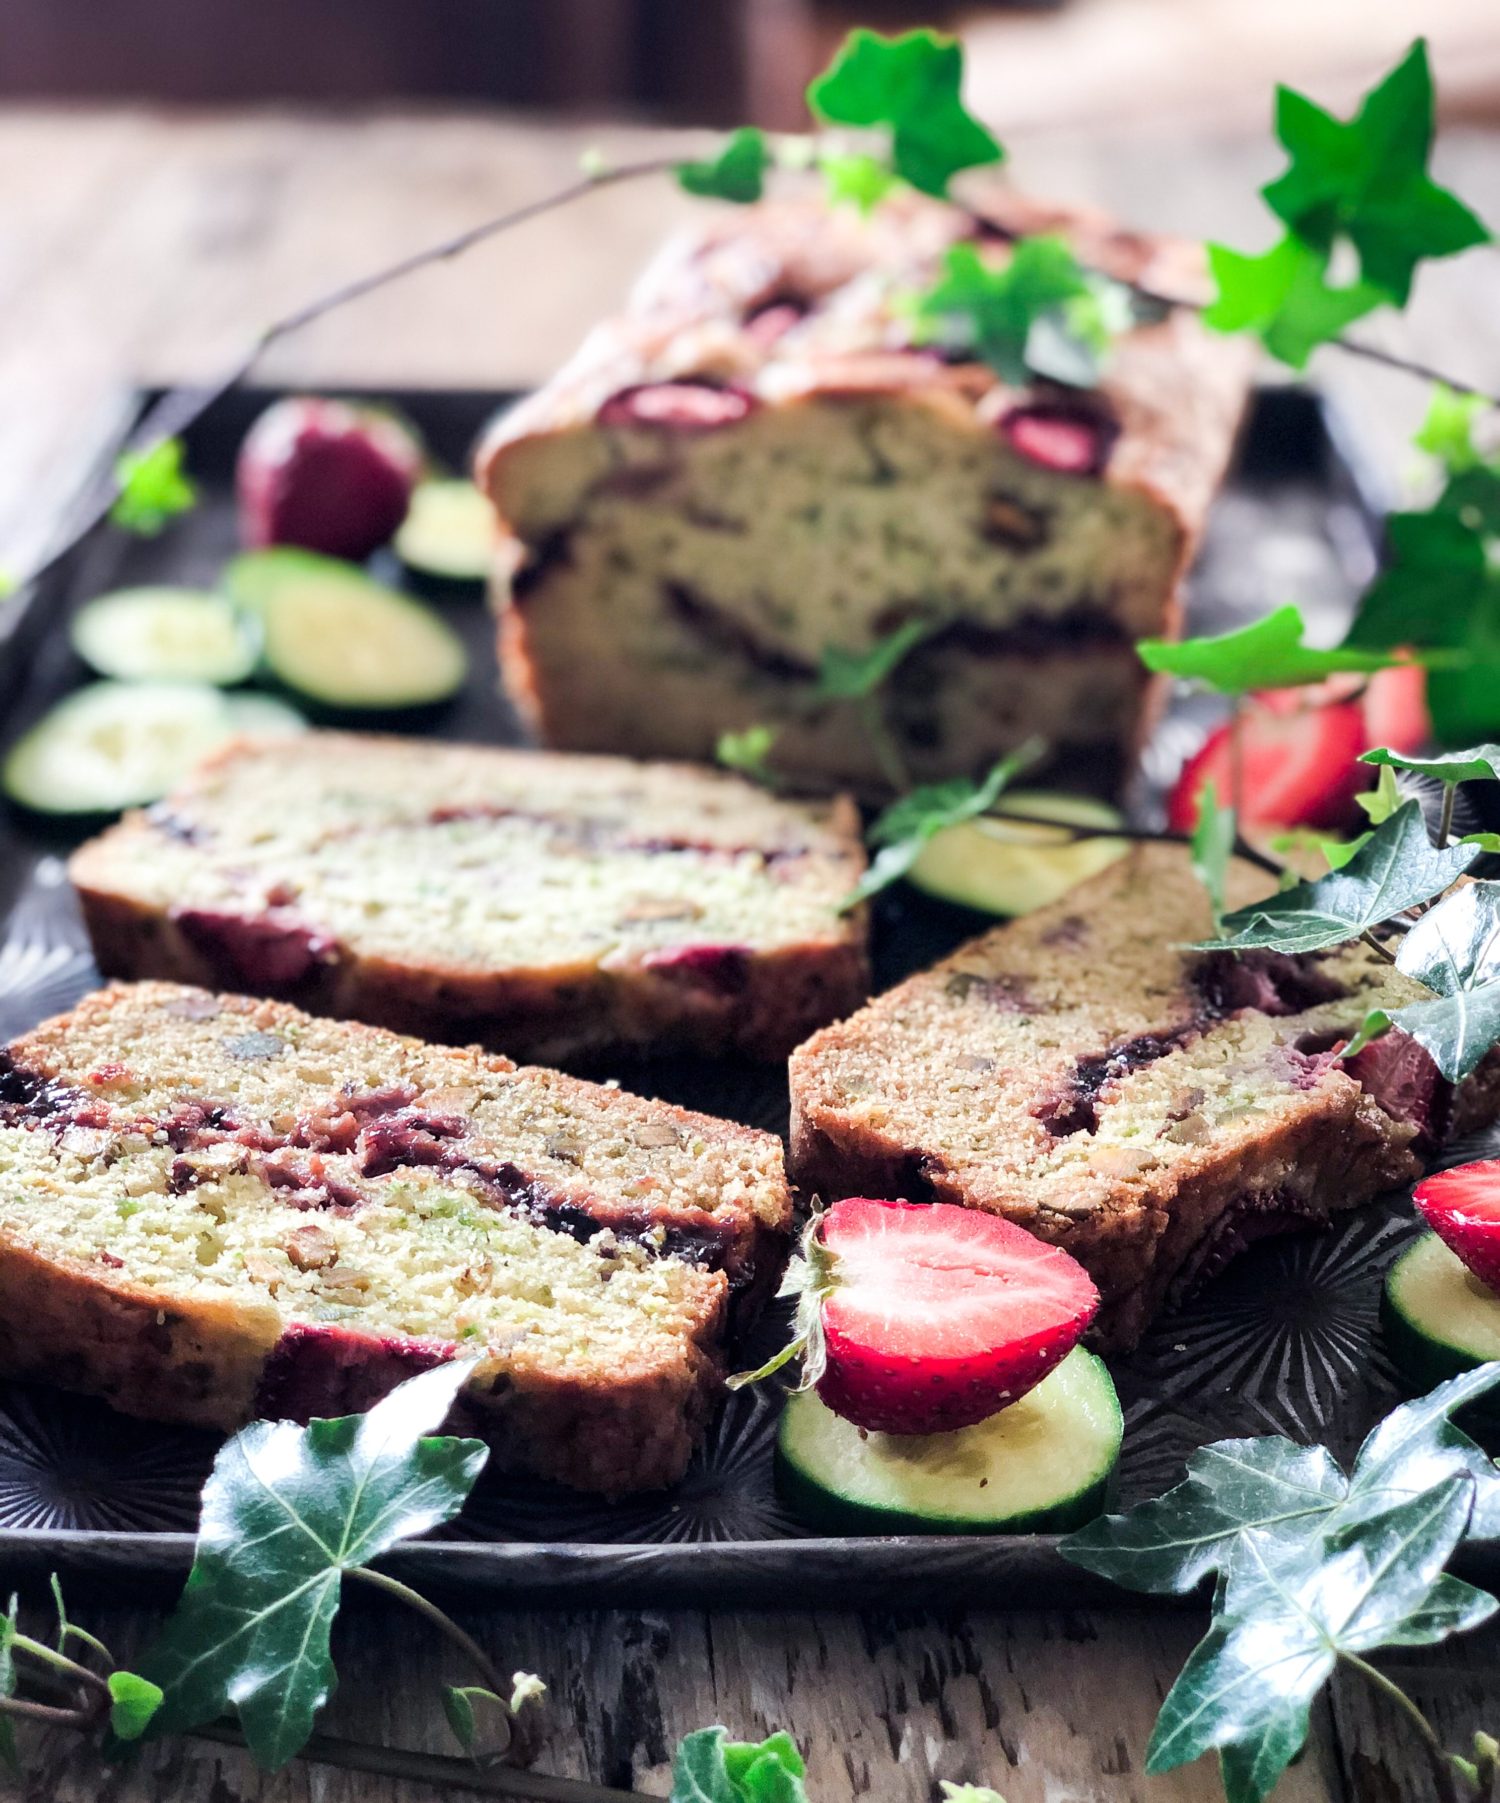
[(1298, 764), (1462, 1206), (1395, 709), (922, 1317), (1073, 440)]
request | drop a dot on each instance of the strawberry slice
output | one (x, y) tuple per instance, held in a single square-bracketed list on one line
[(1395, 709), (1462, 1206), (1298, 765), (935, 1317)]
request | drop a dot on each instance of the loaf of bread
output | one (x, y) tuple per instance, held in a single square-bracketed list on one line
[(756, 464), (552, 907), (1148, 1108), (218, 1208)]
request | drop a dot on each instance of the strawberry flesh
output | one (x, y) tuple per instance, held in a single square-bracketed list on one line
[(1462, 1206), (1298, 765), (1070, 440), (684, 406), (940, 1316)]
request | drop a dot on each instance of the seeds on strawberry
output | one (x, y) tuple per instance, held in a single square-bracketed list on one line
[(1462, 1206)]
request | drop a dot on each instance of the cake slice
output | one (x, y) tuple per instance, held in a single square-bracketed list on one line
[(756, 463), (216, 1208), (1150, 1109), (553, 907)]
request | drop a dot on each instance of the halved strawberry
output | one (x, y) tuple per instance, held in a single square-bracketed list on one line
[(921, 1317), (1462, 1206), (1395, 709), (1298, 765)]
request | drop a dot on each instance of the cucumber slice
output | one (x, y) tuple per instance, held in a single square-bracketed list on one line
[(115, 745), (336, 637), (1437, 1317), (448, 533), (263, 716), (166, 635), (1004, 866), (1040, 1466)]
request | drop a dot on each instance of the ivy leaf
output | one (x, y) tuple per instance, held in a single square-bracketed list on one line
[(968, 1793), (1365, 179), (1269, 654), (1397, 867), (1038, 314), (1268, 1485), (1447, 432), (1284, 297), (748, 752), (1212, 847), (912, 84), (737, 173), (8, 1680), (856, 675), (1377, 804), (855, 179), (287, 1511), (906, 825), (134, 1701), (711, 1768), (1282, 1626), (154, 488), (1472, 765)]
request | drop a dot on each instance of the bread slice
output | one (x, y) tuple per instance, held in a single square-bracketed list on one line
[(216, 1208), (755, 463), (553, 907), (1148, 1108)]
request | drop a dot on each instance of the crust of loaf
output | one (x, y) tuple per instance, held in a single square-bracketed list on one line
[(554, 1014), (1175, 391)]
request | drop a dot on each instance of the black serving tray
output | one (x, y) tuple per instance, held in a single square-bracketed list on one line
[(1285, 1341)]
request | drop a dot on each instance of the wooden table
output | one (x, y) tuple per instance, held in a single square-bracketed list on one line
[(133, 245)]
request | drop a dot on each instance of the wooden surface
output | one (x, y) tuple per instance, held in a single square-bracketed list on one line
[(135, 245)]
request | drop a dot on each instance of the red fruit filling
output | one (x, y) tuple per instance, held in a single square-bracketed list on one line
[(265, 952), (1462, 1206), (940, 1316), (1071, 440), (686, 406)]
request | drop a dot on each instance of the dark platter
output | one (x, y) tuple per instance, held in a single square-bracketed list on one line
[(1286, 1341)]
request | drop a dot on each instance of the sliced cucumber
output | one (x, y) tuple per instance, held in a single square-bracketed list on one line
[(263, 716), (115, 745), (1437, 1317), (166, 635), (1040, 1466), (448, 532), (336, 637), (1006, 866)]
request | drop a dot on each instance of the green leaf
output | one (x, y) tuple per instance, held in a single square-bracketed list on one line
[(1266, 655), (1284, 297), (855, 179), (1447, 432), (286, 1512), (1212, 847), (748, 752), (8, 1680), (855, 675), (460, 1713), (1451, 1607), (1039, 313), (1268, 1485), (1365, 179), (737, 173), (1377, 804), (906, 825), (912, 84), (1471, 765), (1455, 950), (968, 1793), (134, 1701), (1418, 1446), (154, 488), (711, 1768), (1397, 867)]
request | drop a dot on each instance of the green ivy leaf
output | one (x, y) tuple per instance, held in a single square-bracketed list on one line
[(1472, 765), (737, 173), (1212, 847), (1447, 432), (711, 1768), (855, 179), (1454, 949), (1040, 313), (856, 675), (8, 1680), (968, 1793), (906, 825), (134, 1701), (748, 752), (1365, 179), (1377, 804), (1417, 1446), (286, 1512), (912, 84), (1397, 867), (154, 488), (1269, 654), (1284, 297)]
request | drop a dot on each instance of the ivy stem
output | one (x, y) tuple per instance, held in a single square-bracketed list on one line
[(79, 1674), (1375, 946), (445, 1624), (1445, 822), (1138, 835), (887, 755), (51, 1713), (1442, 1765)]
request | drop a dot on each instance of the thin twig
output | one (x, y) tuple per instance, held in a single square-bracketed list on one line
[(444, 1624), (1441, 1761), (1445, 821), (1375, 946), (49, 1713), (1136, 835), (70, 1668)]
